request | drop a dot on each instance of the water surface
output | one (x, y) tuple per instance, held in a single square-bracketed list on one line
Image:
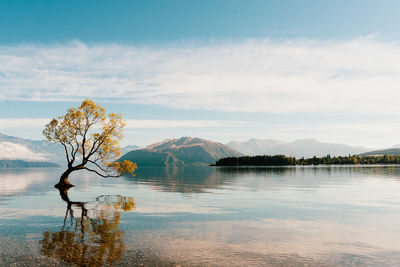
[(295, 216)]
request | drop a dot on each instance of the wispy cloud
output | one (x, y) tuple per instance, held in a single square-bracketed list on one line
[(358, 76), (15, 123), (148, 124)]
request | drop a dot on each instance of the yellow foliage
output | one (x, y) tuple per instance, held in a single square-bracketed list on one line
[(87, 133)]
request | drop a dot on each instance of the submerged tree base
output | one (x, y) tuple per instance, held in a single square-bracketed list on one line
[(64, 184)]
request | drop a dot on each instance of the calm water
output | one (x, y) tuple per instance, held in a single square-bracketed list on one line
[(315, 216)]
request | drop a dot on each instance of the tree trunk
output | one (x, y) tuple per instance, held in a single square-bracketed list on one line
[(64, 183)]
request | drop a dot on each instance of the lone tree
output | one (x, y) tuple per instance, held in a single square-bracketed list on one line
[(90, 140)]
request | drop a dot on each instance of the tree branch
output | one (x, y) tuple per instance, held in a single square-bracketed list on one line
[(66, 152), (102, 175), (72, 151), (99, 144), (94, 162)]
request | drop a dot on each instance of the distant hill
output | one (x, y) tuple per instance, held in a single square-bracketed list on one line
[(390, 151), (178, 152), (15, 148), (148, 158), (128, 148), (4, 163), (260, 147), (299, 148)]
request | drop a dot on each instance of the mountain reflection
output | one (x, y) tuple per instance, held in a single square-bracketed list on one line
[(180, 179), (89, 235), (360, 170), (202, 179)]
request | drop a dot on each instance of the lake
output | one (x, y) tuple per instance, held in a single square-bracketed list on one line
[(205, 216)]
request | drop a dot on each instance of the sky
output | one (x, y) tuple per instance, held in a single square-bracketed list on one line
[(219, 70)]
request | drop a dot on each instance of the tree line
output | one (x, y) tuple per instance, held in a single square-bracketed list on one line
[(281, 160)]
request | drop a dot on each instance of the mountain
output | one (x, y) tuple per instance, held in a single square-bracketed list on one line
[(259, 147), (148, 158), (128, 148), (6, 163), (14, 148), (299, 148), (390, 151), (178, 152)]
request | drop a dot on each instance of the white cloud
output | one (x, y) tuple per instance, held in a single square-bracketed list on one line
[(357, 76), (14, 151), (11, 123), (148, 124)]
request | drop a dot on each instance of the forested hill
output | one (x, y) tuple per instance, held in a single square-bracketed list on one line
[(390, 151), (6, 163), (281, 160)]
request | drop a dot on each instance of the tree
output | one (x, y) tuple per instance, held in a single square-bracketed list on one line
[(91, 141)]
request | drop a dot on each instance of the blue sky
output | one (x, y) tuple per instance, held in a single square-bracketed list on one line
[(221, 70), (150, 21)]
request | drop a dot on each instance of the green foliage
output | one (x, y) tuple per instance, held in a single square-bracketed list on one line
[(278, 160)]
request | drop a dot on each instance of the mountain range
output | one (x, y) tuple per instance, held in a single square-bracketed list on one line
[(299, 148), (21, 152), (179, 152)]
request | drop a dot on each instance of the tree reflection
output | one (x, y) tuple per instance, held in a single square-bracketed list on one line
[(92, 237)]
